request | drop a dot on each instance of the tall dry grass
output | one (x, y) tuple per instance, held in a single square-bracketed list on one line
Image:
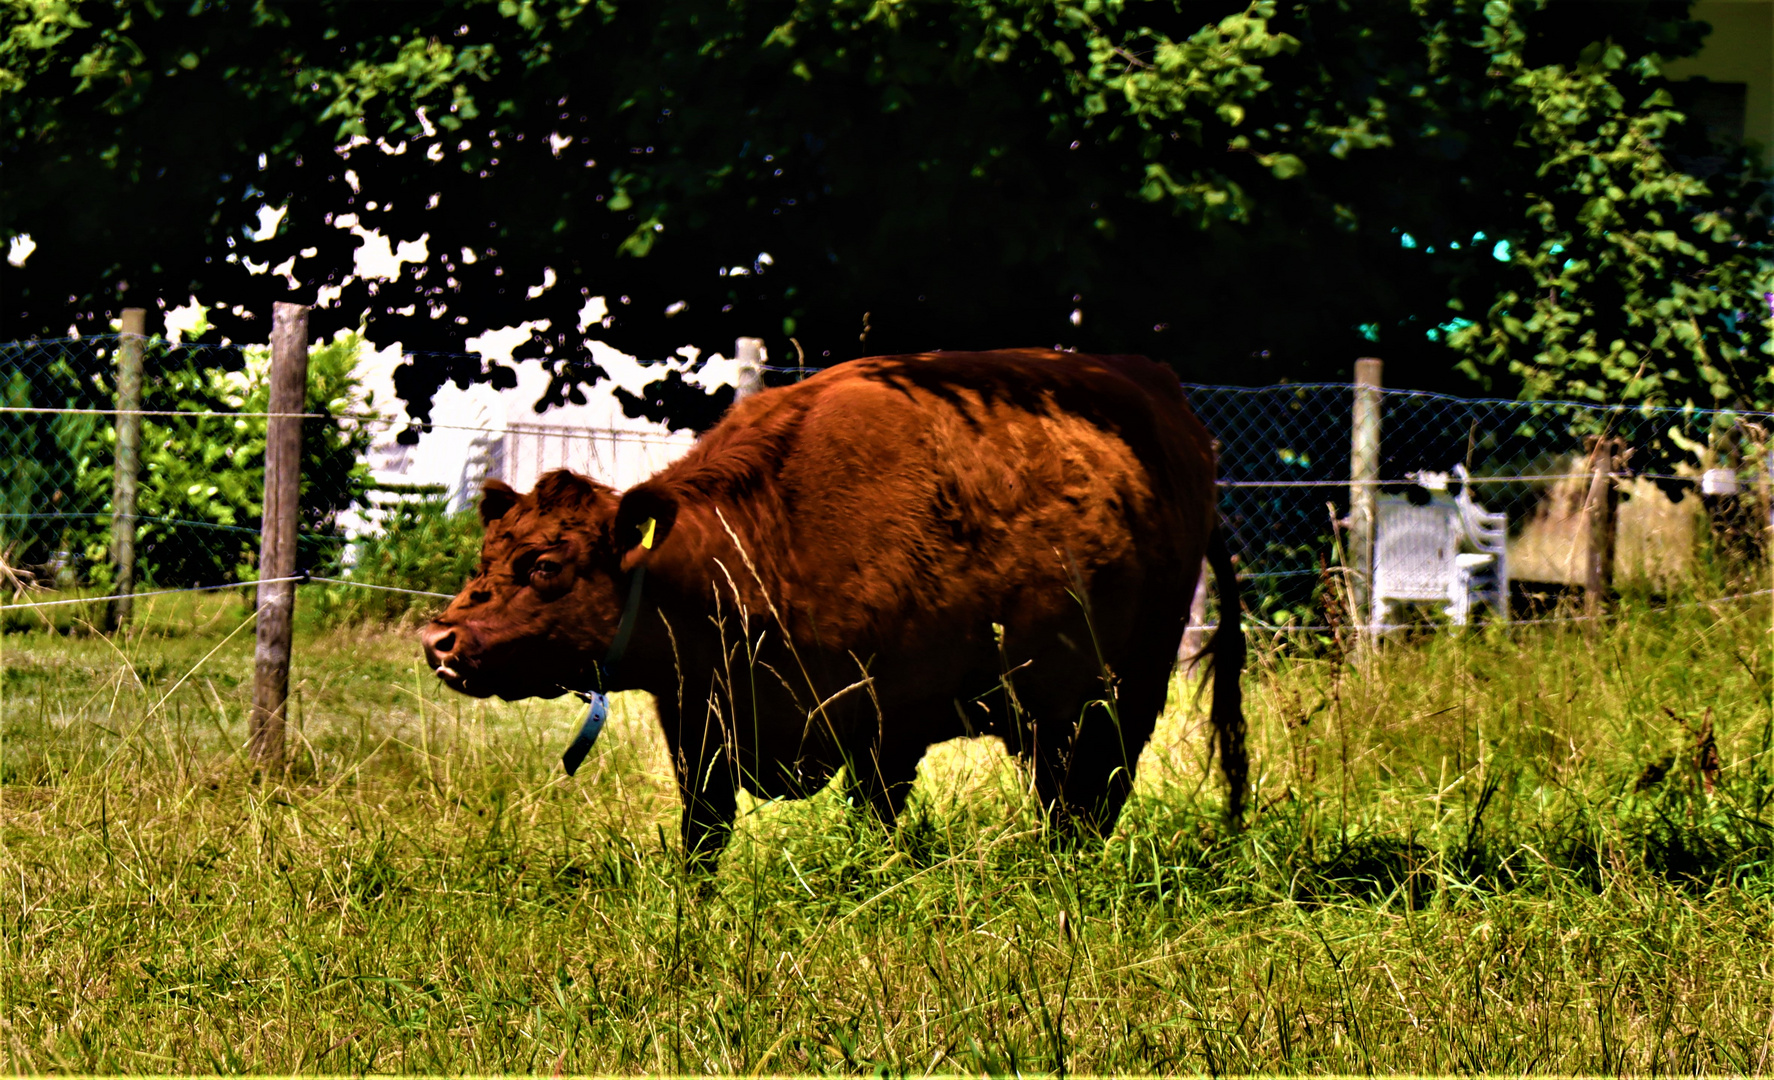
[(1540, 850)]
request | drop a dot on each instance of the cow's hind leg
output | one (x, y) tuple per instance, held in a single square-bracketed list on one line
[(1045, 693), (1084, 771), (1087, 738), (1106, 760), (1105, 756)]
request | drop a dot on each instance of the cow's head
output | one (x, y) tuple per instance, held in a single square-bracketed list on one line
[(544, 604)]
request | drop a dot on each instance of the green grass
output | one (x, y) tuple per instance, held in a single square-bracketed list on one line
[(1490, 852)]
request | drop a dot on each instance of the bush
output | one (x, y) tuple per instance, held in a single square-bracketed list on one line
[(45, 507), (422, 546), (200, 488)]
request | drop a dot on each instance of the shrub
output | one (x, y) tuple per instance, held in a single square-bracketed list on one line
[(200, 489), (44, 506), (422, 546)]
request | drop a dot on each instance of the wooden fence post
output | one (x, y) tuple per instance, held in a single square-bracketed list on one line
[(1364, 472), (277, 544), (127, 464), (1601, 508), (749, 351)]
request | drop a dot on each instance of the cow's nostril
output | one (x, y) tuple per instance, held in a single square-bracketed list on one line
[(439, 644)]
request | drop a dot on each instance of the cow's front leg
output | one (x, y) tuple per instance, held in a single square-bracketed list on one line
[(708, 820), (707, 784), (880, 776)]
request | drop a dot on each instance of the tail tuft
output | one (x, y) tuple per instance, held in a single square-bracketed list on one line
[(1226, 648)]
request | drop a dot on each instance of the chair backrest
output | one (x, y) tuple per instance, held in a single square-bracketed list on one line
[(1488, 532), (1414, 548)]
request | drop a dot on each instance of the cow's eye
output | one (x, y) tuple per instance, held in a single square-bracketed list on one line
[(545, 568)]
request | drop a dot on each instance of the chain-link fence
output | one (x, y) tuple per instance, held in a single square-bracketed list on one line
[(1285, 468), (373, 506), (200, 473), (1687, 477)]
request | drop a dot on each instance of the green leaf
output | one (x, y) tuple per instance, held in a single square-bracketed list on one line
[(1284, 166), (640, 242)]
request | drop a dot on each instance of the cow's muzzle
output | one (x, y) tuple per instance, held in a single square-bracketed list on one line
[(442, 645)]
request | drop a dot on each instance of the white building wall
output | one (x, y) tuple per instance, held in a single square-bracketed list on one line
[(481, 433)]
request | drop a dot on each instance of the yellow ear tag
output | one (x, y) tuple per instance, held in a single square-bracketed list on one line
[(647, 534)]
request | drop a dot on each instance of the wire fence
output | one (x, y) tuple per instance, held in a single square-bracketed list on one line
[(1284, 458), (199, 495), (201, 463), (1687, 476)]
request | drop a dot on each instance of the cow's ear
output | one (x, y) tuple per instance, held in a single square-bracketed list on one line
[(496, 498), (562, 490), (643, 521)]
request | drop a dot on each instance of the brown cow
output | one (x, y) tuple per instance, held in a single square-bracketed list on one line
[(895, 552)]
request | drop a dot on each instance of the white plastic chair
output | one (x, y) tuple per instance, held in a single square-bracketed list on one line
[(1415, 548), (1417, 556), (1485, 573)]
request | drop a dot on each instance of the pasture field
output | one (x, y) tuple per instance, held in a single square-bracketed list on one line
[(1541, 849)]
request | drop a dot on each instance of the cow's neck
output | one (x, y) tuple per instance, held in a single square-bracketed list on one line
[(714, 569)]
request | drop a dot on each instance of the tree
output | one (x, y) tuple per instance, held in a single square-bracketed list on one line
[(1635, 281), (1249, 193)]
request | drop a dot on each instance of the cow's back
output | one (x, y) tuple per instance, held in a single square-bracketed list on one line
[(893, 499)]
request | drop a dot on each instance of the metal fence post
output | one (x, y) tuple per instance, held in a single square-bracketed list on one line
[(749, 351), (127, 463), (1602, 508), (1195, 632), (277, 546), (1364, 472)]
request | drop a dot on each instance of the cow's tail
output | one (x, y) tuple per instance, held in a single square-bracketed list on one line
[(1226, 654)]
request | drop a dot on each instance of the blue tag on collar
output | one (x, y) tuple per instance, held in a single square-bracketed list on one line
[(595, 715)]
